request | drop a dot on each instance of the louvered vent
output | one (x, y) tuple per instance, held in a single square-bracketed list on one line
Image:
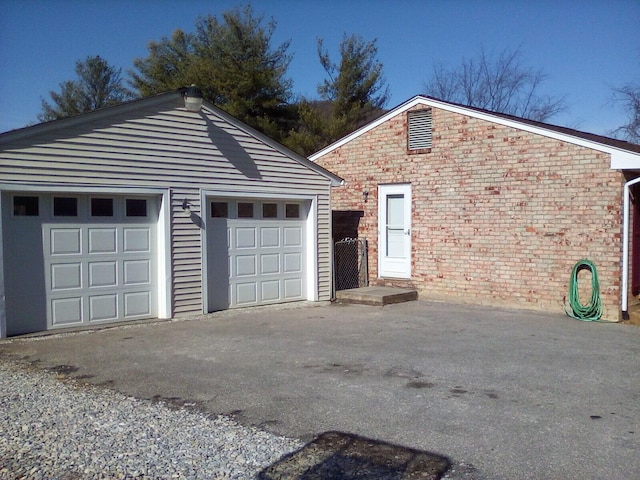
[(420, 129)]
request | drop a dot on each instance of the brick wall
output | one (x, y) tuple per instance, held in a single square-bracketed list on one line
[(499, 215)]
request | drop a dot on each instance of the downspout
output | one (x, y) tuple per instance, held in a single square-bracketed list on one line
[(624, 307)]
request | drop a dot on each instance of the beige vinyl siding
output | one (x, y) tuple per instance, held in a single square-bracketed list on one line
[(160, 145), (187, 253), (324, 247)]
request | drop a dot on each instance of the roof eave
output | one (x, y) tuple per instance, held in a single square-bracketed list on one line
[(622, 156)]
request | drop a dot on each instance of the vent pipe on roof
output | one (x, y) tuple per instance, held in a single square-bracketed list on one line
[(193, 98)]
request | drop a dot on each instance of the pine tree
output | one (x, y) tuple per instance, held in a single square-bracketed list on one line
[(233, 62), (98, 85)]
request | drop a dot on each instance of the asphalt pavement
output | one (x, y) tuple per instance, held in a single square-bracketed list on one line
[(512, 394)]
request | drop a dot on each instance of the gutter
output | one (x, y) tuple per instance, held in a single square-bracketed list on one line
[(624, 300)]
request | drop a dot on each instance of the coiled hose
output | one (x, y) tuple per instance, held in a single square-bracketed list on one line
[(592, 311)]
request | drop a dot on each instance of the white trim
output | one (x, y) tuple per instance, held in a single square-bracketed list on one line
[(620, 158), (624, 290), (165, 280)]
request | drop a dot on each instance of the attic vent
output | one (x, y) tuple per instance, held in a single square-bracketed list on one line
[(420, 129)]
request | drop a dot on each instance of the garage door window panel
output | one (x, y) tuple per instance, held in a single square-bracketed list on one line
[(135, 207), (102, 207), (219, 210), (269, 210), (245, 210), (65, 207), (292, 210), (24, 206)]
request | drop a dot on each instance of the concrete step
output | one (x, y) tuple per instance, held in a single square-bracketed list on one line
[(376, 295)]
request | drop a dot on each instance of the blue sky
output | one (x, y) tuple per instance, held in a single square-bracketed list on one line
[(585, 47)]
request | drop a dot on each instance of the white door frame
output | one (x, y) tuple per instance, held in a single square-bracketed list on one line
[(398, 264)]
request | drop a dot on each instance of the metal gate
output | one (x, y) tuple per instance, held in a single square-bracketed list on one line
[(351, 266)]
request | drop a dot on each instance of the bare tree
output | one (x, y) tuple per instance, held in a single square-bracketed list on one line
[(629, 97), (501, 84)]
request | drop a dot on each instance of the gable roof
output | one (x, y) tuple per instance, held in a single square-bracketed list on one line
[(624, 155), (171, 98)]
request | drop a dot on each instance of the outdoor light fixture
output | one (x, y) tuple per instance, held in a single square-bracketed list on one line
[(186, 206), (365, 195), (193, 98)]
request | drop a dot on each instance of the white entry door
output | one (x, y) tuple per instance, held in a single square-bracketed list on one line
[(394, 231)]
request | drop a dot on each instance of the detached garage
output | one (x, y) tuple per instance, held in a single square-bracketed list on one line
[(150, 210)]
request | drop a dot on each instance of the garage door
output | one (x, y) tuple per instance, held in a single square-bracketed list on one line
[(256, 252), (91, 258)]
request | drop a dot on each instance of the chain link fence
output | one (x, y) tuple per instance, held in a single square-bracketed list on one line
[(351, 266)]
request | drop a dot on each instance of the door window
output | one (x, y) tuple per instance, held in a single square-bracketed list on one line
[(395, 226)]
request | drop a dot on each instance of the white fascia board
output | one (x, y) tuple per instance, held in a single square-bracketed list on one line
[(620, 159)]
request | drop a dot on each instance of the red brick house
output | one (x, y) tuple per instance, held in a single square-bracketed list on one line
[(469, 205)]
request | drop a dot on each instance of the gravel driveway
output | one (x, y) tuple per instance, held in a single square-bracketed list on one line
[(502, 393), (55, 429)]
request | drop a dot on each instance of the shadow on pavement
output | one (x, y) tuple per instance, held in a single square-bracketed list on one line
[(344, 456)]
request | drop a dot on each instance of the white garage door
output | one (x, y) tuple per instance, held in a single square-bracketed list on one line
[(256, 252), (96, 260)]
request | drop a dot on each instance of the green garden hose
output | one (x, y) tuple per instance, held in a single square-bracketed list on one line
[(592, 311)]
